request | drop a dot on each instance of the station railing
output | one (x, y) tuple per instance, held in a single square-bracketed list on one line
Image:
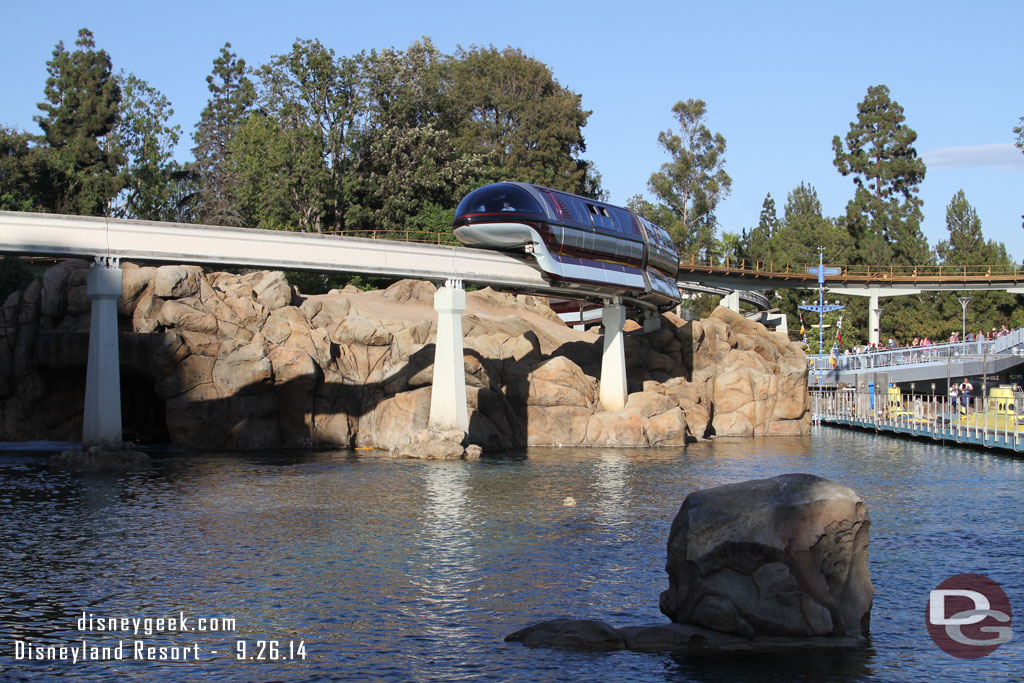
[(934, 353), (982, 420)]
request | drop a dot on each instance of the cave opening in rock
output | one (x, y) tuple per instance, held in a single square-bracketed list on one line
[(143, 414)]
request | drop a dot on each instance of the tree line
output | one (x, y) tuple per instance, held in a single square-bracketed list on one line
[(309, 141), (392, 139)]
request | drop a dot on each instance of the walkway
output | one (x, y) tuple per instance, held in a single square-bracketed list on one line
[(926, 417), (921, 363), (768, 275)]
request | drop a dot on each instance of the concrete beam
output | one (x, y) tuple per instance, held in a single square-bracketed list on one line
[(448, 409), (731, 301), (613, 358), (102, 419)]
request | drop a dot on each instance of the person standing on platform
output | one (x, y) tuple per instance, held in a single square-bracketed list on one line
[(965, 390)]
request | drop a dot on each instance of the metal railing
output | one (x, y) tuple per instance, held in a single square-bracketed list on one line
[(421, 236), (754, 268), (934, 353), (980, 420)]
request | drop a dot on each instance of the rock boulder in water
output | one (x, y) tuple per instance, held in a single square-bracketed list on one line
[(786, 556)]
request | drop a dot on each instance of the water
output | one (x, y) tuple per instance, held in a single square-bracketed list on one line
[(388, 569)]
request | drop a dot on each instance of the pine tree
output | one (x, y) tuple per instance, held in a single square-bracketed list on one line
[(757, 244), (967, 246), (231, 97), (79, 114), (884, 216)]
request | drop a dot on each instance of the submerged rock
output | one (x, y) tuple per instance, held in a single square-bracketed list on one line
[(573, 634), (100, 458)]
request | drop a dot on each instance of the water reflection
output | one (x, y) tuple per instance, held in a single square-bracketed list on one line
[(444, 566), (612, 500)]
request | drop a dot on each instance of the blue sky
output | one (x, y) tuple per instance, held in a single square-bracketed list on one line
[(779, 79)]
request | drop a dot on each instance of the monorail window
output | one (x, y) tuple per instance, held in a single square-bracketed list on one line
[(561, 211), (599, 217), (498, 198), (624, 222)]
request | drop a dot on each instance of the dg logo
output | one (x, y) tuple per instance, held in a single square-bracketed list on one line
[(969, 616)]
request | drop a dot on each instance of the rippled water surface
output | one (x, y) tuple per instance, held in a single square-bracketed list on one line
[(390, 569)]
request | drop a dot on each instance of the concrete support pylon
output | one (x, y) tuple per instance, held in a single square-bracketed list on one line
[(448, 409), (102, 419), (731, 301), (874, 320), (782, 322), (613, 358)]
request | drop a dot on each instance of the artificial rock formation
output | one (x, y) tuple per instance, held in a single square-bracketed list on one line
[(219, 360), (786, 556)]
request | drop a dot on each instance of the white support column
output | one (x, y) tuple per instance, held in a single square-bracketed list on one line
[(448, 408), (613, 359), (782, 322), (102, 420), (731, 301), (652, 322), (874, 317)]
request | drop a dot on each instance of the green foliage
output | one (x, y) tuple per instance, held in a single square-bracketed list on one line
[(756, 245), (402, 172), (156, 187), (389, 140), (694, 181), (509, 109), (79, 113), (1019, 130), (408, 160), (231, 96), (884, 216), (24, 173), (730, 246), (967, 246)]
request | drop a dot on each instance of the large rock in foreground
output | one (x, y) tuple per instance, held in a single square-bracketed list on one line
[(782, 557)]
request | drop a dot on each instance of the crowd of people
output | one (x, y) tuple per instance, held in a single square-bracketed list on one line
[(917, 342)]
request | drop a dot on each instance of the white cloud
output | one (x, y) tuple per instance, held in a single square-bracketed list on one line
[(1004, 154)]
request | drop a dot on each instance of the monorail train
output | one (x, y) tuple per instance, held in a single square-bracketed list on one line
[(579, 243)]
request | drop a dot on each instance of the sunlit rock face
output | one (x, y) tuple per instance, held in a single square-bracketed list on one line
[(786, 556), (219, 360)]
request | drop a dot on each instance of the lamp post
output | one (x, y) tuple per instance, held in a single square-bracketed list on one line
[(964, 300), (821, 308)]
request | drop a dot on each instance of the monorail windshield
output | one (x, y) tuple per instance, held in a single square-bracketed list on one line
[(498, 198)]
